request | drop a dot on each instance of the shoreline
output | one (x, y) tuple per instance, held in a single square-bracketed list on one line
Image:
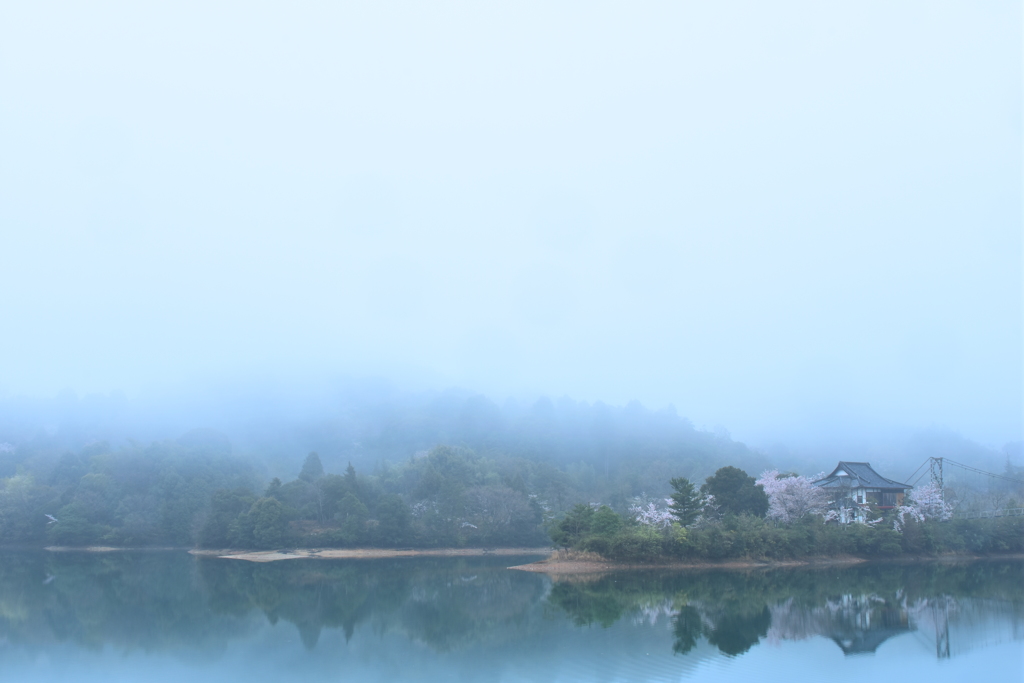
[(104, 548), (569, 566), (563, 567), (361, 553), (556, 562)]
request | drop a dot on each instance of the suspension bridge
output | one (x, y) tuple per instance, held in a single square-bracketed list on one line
[(936, 472)]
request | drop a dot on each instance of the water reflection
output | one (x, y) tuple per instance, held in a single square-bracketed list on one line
[(442, 602), (171, 602), (858, 608)]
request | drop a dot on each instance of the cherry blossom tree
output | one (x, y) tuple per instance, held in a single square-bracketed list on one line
[(921, 503), (660, 513), (651, 514), (792, 497), (710, 511)]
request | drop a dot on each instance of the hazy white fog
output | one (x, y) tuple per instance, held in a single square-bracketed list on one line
[(785, 218)]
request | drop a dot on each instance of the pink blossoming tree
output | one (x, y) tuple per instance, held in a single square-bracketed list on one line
[(921, 503), (652, 514), (790, 497)]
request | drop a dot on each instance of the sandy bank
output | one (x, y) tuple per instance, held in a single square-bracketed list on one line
[(105, 548), (362, 553)]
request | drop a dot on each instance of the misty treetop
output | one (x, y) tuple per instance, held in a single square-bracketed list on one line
[(369, 425), (187, 492), (133, 496)]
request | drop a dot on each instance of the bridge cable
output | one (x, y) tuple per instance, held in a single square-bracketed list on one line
[(926, 461), (975, 469)]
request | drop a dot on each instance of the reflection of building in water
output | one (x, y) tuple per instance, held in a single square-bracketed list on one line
[(865, 622), (859, 624), (856, 623)]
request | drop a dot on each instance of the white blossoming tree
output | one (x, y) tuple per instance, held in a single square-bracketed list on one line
[(792, 497), (649, 513), (710, 512), (921, 503), (663, 513)]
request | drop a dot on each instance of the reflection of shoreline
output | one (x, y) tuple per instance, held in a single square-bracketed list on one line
[(557, 563), (362, 553), (555, 567)]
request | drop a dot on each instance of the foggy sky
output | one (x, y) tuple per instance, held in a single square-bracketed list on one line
[(783, 217)]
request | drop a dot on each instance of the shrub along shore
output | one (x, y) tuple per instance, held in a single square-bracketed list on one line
[(746, 537)]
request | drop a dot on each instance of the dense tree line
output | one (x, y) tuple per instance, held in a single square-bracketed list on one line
[(190, 492), (515, 468), (450, 497), (194, 492), (134, 496), (508, 471)]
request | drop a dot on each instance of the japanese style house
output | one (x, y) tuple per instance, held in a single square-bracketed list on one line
[(855, 488)]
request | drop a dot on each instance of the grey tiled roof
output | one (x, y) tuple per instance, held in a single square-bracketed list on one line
[(858, 474)]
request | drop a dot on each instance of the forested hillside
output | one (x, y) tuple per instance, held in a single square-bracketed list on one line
[(193, 490), (390, 469), (387, 469), (498, 486)]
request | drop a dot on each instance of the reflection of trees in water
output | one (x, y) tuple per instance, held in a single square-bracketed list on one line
[(857, 607), (734, 624), (733, 632), (129, 601), (163, 601), (311, 597), (444, 604), (688, 627)]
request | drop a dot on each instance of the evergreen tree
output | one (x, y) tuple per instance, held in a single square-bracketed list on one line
[(736, 492), (312, 469), (605, 522), (574, 526), (685, 505), (267, 517)]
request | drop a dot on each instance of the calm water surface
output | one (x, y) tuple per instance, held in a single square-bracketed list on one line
[(168, 616)]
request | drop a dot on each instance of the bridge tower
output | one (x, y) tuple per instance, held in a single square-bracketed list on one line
[(935, 466)]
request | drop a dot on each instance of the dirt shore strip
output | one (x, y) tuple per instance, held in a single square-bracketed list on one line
[(564, 565), (363, 553)]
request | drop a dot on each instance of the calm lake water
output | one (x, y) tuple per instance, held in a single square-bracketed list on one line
[(168, 616)]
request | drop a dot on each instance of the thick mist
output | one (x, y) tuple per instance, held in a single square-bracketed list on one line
[(373, 423), (797, 223)]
